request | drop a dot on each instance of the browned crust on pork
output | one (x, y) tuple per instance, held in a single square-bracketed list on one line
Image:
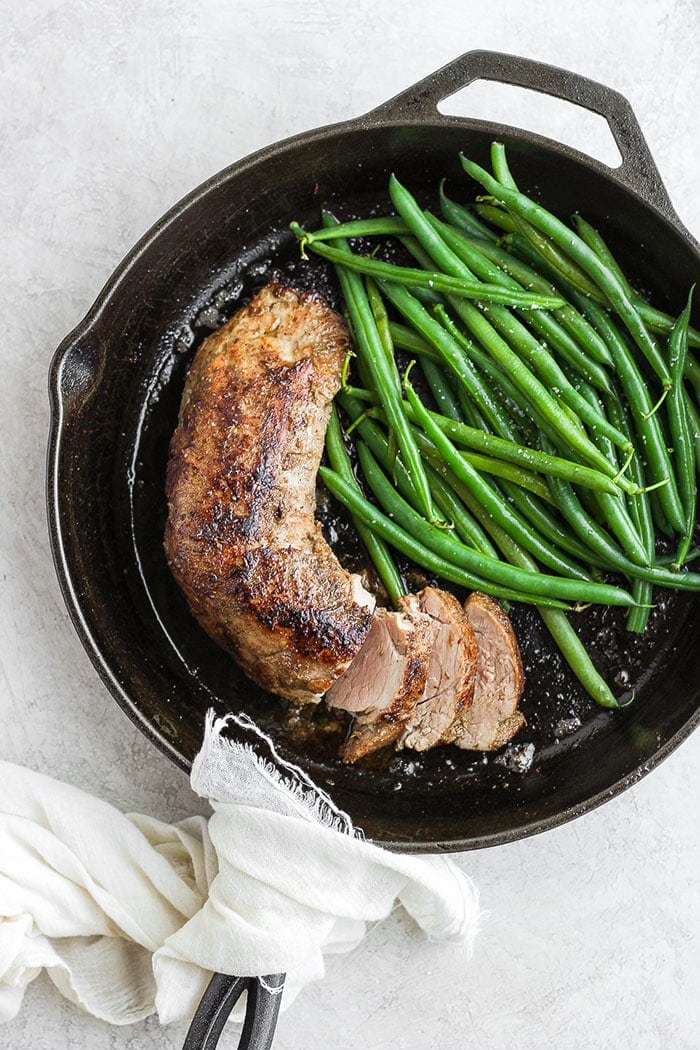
[(241, 539)]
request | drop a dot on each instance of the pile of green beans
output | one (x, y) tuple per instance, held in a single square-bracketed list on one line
[(546, 448)]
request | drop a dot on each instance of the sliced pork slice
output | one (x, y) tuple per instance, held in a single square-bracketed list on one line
[(451, 672), (493, 716), (385, 681)]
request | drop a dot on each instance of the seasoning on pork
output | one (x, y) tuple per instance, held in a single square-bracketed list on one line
[(241, 539), (492, 718)]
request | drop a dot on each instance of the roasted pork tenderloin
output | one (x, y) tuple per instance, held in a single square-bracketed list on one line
[(241, 539)]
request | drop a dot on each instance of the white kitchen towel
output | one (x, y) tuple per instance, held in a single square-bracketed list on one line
[(128, 914)]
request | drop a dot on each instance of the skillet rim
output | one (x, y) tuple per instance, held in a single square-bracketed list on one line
[(91, 321)]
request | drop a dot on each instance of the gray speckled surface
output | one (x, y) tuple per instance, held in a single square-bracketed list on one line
[(110, 111)]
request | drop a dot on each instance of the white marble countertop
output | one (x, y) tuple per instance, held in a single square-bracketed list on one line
[(109, 112)]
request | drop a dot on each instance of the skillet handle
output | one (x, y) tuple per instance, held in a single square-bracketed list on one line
[(638, 170), (221, 995)]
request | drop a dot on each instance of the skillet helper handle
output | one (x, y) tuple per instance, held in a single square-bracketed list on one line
[(638, 170), (221, 995)]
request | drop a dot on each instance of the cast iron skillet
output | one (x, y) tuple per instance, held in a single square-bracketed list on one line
[(115, 388)]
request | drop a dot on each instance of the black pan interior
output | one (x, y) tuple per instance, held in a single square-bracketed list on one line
[(120, 384)]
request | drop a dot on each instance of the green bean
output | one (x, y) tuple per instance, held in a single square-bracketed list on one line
[(535, 393), (406, 338), (497, 468), (679, 426), (578, 342), (612, 507), (444, 398), (573, 321), (553, 529), (463, 218), (499, 385), (543, 322), (694, 423), (656, 320), (592, 534), (426, 295), (661, 322), (466, 527), (384, 225), (692, 373), (376, 547), (529, 458), (497, 216), (557, 540), (504, 416), (502, 514), (451, 353), (540, 359), (505, 396), (667, 559), (544, 245), (417, 551), (642, 590), (451, 549), (435, 281), (497, 347), (590, 236), (381, 319), (658, 515), (374, 357), (502, 391), (575, 248), (646, 423), (507, 471)]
